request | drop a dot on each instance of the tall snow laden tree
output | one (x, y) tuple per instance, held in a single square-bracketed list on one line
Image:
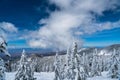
[(25, 70), (62, 68), (3, 49), (101, 62), (85, 63), (57, 68), (114, 70), (118, 52), (68, 65), (75, 70), (95, 68), (76, 64)]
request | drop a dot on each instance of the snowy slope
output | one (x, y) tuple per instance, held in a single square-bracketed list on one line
[(50, 76)]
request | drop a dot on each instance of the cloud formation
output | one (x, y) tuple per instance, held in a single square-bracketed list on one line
[(7, 29), (75, 18)]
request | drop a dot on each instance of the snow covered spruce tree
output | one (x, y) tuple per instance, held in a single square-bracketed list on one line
[(75, 69), (68, 64), (85, 63), (62, 68), (25, 70), (80, 71), (95, 65), (57, 67), (3, 49), (101, 64), (75, 65), (118, 52), (114, 70)]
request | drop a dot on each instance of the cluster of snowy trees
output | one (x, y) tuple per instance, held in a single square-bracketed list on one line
[(75, 65), (80, 66), (73, 69), (26, 68)]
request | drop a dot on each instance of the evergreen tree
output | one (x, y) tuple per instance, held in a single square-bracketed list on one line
[(57, 67), (25, 70), (77, 72), (2, 70), (85, 64), (3, 46), (74, 65), (101, 63), (115, 64), (118, 52), (62, 71), (3, 49), (82, 73), (95, 65), (69, 65)]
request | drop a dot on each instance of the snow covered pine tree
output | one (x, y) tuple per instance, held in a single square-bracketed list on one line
[(25, 71), (114, 70), (68, 64), (95, 65), (75, 70), (57, 67), (85, 63), (3, 49), (79, 69)]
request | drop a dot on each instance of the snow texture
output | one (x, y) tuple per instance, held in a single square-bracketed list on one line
[(50, 76)]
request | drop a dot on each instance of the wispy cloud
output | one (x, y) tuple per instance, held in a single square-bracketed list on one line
[(7, 30), (75, 17), (9, 27)]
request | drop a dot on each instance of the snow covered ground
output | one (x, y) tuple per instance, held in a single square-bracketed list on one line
[(103, 77), (39, 76), (44, 76), (50, 76)]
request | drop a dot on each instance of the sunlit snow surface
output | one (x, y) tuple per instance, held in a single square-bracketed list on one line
[(103, 77), (50, 76), (39, 76)]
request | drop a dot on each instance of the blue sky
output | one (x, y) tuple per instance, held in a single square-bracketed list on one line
[(32, 16), (104, 38)]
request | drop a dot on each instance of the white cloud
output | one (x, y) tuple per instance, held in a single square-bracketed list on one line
[(9, 27), (74, 18), (7, 30)]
